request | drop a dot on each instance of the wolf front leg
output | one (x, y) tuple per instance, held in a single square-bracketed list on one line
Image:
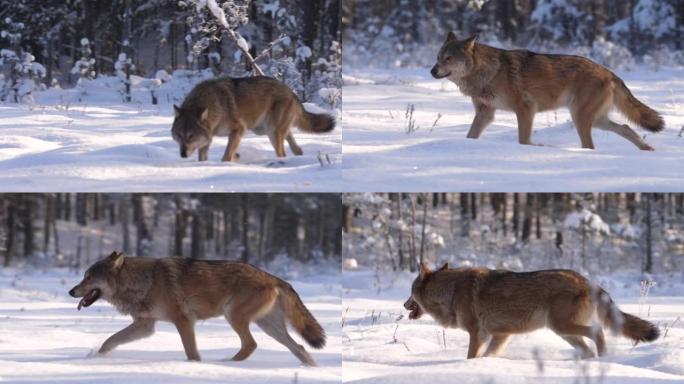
[(478, 339), (484, 115), (525, 115), (186, 329), (139, 329), (234, 137), (203, 153)]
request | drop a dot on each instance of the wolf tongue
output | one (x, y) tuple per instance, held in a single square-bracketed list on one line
[(89, 298), (81, 303)]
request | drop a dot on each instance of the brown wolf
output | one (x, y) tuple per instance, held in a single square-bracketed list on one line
[(229, 107), (495, 304), (526, 83), (183, 291)]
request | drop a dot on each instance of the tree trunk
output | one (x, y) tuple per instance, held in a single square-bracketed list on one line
[(11, 232), (245, 228), (422, 231), (124, 215), (197, 250), (648, 262), (27, 223)]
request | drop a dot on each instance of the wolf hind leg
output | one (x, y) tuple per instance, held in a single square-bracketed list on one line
[(277, 142), (186, 329), (248, 345), (138, 330), (580, 346), (273, 324), (245, 310), (296, 149), (623, 130), (594, 333), (281, 123), (497, 345)]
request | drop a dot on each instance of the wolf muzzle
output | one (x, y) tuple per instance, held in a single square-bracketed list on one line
[(435, 73), (184, 151)]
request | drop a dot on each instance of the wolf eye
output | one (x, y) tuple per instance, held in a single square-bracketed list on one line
[(88, 277), (448, 58)]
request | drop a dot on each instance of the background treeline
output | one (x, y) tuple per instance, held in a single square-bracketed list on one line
[(76, 39), (73, 230), (622, 28), (594, 232)]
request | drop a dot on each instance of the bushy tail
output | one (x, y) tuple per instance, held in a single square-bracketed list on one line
[(634, 109), (299, 316), (315, 122), (628, 325)]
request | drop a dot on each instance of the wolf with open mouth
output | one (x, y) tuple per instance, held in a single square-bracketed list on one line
[(183, 291)]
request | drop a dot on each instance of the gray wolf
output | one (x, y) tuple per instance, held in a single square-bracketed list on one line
[(231, 106), (492, 305), (182, 291), (526, 83)]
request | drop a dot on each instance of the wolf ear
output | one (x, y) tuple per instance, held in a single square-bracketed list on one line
[(445, 266), (451, 36), (117, 260), (469, 43), (424, 271), (205, 114), (176, 110)]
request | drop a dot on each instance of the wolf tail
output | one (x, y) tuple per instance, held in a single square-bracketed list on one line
[(619, 322), (299, 316), (314, 122), (634, 109)]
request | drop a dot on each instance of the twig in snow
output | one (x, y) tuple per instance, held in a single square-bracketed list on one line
[(668, 326), (439, 116), (410, 120)]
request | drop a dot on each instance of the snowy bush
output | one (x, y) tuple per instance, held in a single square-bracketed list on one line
[(123, 67), (19, 75), (611, 55), (85, 66)]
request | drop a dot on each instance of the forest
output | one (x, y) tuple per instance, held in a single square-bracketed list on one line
[(73, 230), (146, 42), (592, 232), (611, 31)]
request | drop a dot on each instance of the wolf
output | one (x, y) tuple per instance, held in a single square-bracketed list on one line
[(230, 106), (182, 291), (492, 305), (527, 82)]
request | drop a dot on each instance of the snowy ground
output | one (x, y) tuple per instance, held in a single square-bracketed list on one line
[(372, 304), (100, 144), (380, 156), (43, 338)]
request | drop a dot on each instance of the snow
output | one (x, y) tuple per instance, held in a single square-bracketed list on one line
[(43, 338), (102, 144), (382, 346), (438, 157)]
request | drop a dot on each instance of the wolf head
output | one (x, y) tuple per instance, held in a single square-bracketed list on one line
[(190, 129), (455, 57), (99, 280), (414, 301)]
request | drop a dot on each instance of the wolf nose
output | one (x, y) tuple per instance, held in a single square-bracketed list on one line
[(433, 71), (184, 152), (72, 293)]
